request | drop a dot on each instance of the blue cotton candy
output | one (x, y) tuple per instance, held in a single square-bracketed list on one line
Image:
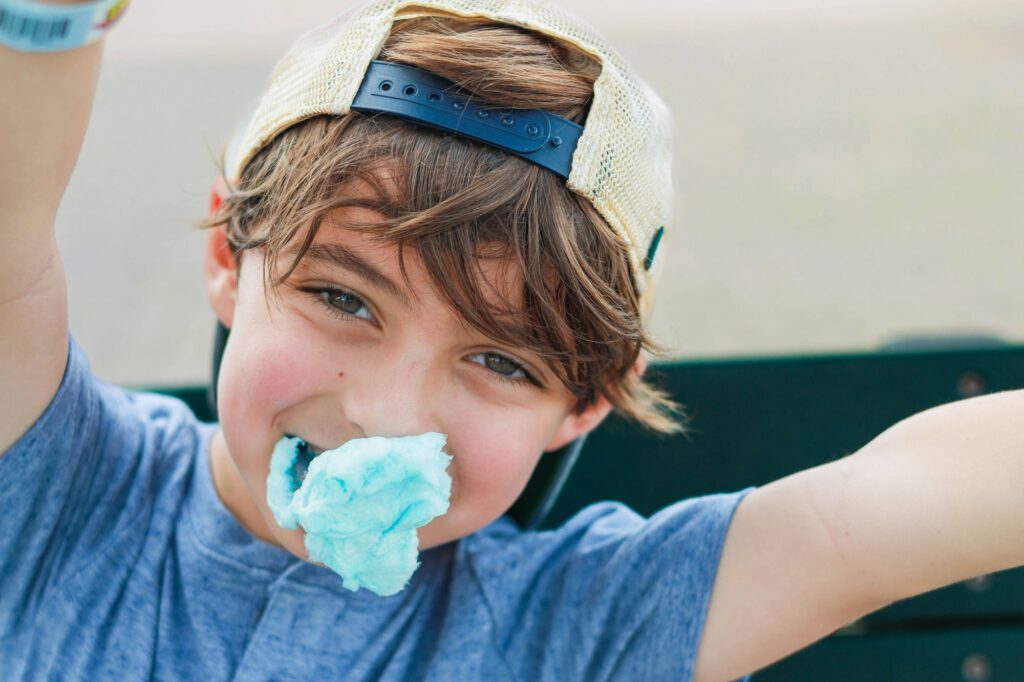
[(361, 504), (282, 483)]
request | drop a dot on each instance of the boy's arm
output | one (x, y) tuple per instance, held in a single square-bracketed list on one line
[(935, 499), (44, 110)]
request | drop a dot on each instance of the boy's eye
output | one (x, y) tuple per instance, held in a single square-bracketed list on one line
[(501, 364), (507, 368), (342, 303), (346, 302)]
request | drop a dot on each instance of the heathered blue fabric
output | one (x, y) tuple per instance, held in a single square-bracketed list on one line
[(119, 562)]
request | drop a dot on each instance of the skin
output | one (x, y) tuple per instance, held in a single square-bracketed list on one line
[(389, 363)]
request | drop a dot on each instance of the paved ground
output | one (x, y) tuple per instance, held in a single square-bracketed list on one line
[(846, 172)]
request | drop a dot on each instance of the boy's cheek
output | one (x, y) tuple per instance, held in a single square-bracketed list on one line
[(492, 465), (259, 384), (267, 375)]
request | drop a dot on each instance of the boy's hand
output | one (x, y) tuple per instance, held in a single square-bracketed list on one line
[(933, 500), (44, 111)]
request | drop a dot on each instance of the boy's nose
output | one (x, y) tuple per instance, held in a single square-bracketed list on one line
[(390, 399)]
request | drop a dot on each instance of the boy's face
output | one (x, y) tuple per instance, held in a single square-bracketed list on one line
[(348, 348)]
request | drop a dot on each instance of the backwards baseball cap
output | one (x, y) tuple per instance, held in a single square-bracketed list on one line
[(620, 161)]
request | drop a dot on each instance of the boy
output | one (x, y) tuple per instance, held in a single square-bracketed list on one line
[(385, 279)]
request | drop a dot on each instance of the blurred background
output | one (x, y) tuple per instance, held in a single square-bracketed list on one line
[(846, 172)]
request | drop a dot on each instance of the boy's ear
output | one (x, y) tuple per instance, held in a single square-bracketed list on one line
[(221, 280), (575, 425)]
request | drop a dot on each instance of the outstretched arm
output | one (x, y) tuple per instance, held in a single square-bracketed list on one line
[(44, 110), (932, 500), (938, 498)]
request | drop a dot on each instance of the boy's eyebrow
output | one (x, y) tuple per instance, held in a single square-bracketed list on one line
[(340, 256)]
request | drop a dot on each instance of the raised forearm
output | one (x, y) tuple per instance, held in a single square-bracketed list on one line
[(939, 497), (44, 110), (45, 100)]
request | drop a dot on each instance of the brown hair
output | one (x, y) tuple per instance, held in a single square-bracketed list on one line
[(459, 203)]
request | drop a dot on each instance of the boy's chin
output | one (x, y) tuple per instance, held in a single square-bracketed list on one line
[(432, 535), (293, 541)]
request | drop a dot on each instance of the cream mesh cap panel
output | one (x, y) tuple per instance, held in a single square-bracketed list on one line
[(622, 163)]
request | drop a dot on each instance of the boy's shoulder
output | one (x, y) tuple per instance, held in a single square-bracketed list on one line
[(607, 575), (88, 414), (605, 532), (99, 458)]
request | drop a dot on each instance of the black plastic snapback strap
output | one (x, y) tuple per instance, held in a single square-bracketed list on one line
[(422, 97)]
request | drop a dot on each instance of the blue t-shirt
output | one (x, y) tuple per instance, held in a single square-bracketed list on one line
[(119, 561)]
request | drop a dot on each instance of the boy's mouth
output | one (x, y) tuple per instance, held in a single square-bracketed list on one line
[(316, 450), (306, 453), (312, 449)]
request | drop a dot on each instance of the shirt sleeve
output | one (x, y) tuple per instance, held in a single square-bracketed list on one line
[(68, 486), (608, 596)]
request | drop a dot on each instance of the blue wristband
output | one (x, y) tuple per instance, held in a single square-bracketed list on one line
[(31, 26)]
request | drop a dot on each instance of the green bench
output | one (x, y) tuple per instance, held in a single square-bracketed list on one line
[(756, 420)]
